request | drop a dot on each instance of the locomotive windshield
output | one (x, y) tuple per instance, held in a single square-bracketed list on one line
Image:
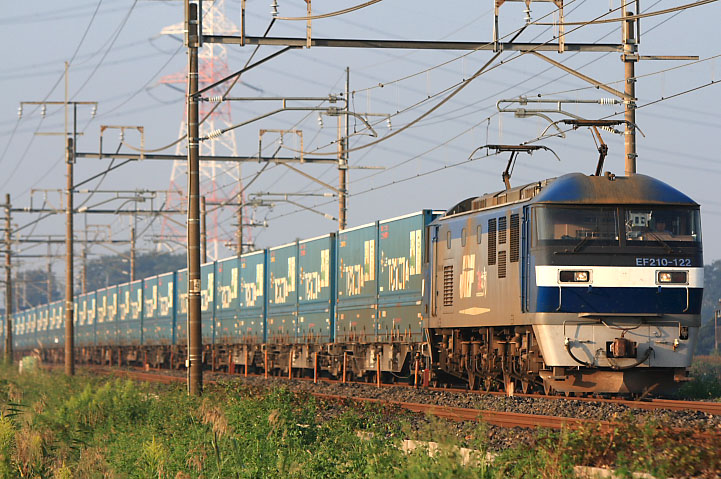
[(664, 225), (566, 225), (580, 227)]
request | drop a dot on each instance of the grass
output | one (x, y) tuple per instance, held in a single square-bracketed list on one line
[(706, 384), (89, 427)]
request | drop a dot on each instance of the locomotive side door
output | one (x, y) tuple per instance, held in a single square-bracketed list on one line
[(525, 257)]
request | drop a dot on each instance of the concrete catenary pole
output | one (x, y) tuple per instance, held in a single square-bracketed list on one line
[(132, 253), (343, 159), (629, 63), (50, 275), (239, 230), (203, 232), (8, 287), (69, 305), (195, 345)]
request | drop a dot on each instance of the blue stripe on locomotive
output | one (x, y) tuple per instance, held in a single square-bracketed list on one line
[(628, 300)]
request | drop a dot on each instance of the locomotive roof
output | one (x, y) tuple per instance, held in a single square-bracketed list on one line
[(580, 189)]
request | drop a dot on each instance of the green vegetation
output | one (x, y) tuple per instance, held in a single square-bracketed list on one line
[(706, 384), (711, 298), (90, 427)]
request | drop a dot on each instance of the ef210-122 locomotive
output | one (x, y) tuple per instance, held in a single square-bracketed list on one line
[(577, 284)]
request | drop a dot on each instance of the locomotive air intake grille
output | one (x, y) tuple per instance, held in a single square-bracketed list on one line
[(448, 285), (515, 238), (501, 264), (502, 230), (492, 241)]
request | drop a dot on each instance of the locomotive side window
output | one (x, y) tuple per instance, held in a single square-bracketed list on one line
[(448, 239), (662, 225), (492, 241), (515, 238), (463, 237), (479, 234)]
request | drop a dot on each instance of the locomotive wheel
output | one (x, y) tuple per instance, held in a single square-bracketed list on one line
[(525, 386), (548, 389), (488, 384), (472, 381)]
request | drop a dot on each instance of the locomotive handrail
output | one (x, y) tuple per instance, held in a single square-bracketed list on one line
[(687, 300), (560, 298)]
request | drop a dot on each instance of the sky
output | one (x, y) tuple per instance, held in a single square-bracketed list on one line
[(118, 57)]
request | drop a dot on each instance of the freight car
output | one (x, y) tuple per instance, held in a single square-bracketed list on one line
[(575, 284)]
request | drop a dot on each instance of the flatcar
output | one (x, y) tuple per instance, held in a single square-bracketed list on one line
[(577, 284)]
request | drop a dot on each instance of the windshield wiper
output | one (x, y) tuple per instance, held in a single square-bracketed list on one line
[(668, 247), (583, 241)]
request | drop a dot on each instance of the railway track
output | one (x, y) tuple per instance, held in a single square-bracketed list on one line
[(497, 418), (648, 404)]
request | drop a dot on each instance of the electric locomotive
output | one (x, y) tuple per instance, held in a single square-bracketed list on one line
[(578, 284)]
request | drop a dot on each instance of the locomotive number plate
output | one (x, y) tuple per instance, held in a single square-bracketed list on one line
[(665, 262)]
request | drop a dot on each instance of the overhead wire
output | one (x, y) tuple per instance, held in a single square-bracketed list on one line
[(213, 108), (442, 102), (643, 15), (333, 14), (662, 99)]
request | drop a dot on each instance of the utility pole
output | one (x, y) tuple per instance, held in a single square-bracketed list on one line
[(239, 229), (195, 338), (25, 289), (717, 339), (69, 300), (8, 286), (343, 159), (203, 232), (629, 63), (50, 275), (132, 252), (84, 275), (70, 142)]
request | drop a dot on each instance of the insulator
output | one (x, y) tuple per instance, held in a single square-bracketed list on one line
[(94, 111), (274, 9), (388, 123), (608, 101), (320, 120), (527, 11), (43, 110), (215, 134), (611, 130), (20, 111), (216, 99)]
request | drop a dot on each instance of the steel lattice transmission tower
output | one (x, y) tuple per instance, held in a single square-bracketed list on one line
[(219, 182)]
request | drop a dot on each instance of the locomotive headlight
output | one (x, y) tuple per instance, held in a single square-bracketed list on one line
[(672, 277), (574, 276)]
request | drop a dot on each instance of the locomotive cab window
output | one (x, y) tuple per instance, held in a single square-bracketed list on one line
[(576, 227), (646, 225)]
